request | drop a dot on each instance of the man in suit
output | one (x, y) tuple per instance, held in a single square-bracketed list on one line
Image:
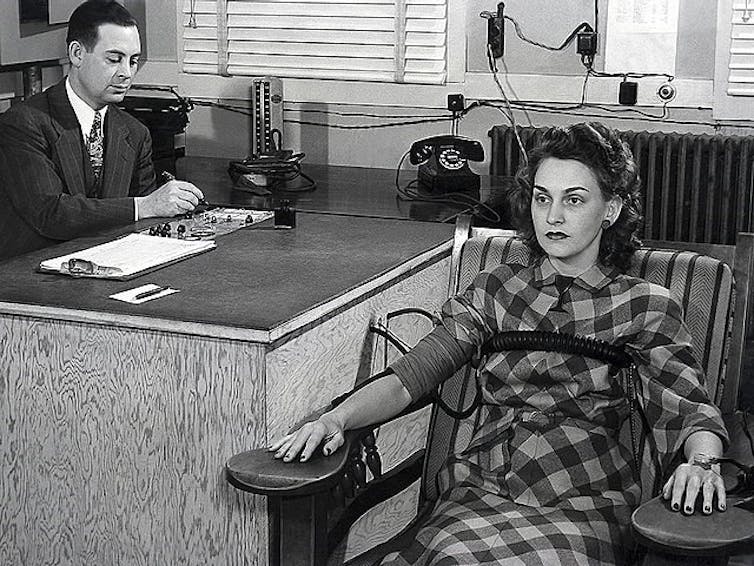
[(71, 162)]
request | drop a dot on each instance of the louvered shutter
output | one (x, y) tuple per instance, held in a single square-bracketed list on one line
[(367, 40), (741, 65)]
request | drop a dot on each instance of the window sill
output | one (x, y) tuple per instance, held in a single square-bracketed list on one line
[(691, 93)]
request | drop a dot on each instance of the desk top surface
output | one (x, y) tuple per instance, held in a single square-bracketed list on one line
[(257, 278), (357, 191)]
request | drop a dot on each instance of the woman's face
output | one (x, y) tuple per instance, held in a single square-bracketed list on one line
[(567, 209)]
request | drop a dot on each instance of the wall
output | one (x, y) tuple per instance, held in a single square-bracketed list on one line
[(11, 81), (532, 72), (551, 22)]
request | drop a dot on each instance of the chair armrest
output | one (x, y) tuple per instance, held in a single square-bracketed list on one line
[(661, 528), (258, 471)]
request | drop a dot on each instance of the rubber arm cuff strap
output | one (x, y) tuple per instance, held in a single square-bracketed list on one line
[(434, 359)]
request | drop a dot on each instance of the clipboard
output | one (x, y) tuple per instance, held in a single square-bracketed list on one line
[(126, 257)]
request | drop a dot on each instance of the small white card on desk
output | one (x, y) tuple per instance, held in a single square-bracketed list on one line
[(136, 296)]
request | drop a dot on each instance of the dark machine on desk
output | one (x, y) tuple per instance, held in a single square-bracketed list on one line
[(269, 166), (444, 160), (444, 163), (166, 119)]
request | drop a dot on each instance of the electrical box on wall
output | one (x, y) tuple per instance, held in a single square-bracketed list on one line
[(495, 31), (627, 92), (586, 42)]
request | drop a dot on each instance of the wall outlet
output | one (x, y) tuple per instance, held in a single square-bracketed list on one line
[(666, 92), (455, 102)]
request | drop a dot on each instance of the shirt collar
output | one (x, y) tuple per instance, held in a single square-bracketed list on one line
[(593, 279), (84, 112)]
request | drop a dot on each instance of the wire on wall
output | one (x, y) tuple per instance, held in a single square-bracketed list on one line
[(587, 61), (192, 15), (509, 114), (583, 26)]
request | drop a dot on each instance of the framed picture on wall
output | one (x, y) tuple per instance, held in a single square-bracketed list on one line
[(26, 33)]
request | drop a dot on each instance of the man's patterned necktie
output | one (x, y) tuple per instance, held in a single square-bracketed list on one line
[(96, 146)]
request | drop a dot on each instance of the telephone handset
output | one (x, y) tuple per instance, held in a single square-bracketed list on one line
[(443, 163)]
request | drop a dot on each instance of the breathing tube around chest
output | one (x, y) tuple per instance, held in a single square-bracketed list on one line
[(594, 348), (557, 342), (517, 340), (540, 341)]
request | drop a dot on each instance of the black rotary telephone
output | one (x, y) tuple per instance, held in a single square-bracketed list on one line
[(444, 163)]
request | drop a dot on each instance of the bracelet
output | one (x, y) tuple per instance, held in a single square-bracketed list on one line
[(704, 461)]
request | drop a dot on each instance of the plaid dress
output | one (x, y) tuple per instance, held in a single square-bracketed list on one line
[(545, 479)]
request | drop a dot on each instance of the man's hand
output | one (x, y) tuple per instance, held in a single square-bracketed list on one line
[(172, 198)]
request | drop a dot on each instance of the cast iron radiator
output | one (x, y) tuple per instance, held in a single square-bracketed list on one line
[(696, 187)]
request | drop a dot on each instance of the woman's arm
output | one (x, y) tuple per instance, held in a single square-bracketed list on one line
[(683, 421), (374, 403), (434, 359), (703, 442)]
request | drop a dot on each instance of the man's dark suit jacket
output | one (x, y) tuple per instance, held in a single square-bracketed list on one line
[(45, 173)]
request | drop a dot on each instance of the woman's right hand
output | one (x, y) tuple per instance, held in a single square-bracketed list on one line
[(303, 442)]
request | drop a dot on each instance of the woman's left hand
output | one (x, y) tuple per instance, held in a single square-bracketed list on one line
[(691, 480)]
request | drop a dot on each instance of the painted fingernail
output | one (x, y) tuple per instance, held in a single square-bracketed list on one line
[(676, 506), (688, 509), (303, 459), (326, 451), (707, 509)]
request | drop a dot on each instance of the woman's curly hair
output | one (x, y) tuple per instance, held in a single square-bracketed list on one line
[(611, 162)]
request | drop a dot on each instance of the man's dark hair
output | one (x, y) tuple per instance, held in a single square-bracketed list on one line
[(85, 20), (612, 163)]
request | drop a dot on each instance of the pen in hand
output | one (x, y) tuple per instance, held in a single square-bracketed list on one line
[(149, 293), (167, 176)]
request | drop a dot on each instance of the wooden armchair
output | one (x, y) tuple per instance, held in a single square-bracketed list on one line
[(312, 505)]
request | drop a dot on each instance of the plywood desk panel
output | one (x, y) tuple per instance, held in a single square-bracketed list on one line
[(116, 419)]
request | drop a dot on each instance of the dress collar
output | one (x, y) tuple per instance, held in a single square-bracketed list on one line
[(593, 279)]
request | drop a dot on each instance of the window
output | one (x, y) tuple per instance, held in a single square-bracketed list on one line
[(741, 66), (734, 61), (399, 41)]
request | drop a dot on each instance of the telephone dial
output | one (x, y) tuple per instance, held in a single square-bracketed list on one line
[(444, 163)]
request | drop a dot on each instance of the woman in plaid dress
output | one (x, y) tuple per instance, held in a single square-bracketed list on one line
[(544, 479)]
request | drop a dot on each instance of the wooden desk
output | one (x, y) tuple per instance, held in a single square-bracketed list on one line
[(357, 191), (116, 419)]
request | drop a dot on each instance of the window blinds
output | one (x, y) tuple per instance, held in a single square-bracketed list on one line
[(741, 65), (402, 41)]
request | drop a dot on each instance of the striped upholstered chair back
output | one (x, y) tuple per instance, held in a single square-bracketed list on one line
[(703, 284)]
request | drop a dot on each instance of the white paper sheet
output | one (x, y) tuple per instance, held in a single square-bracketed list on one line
[(130, 295), (641, 36), (133, 253)]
